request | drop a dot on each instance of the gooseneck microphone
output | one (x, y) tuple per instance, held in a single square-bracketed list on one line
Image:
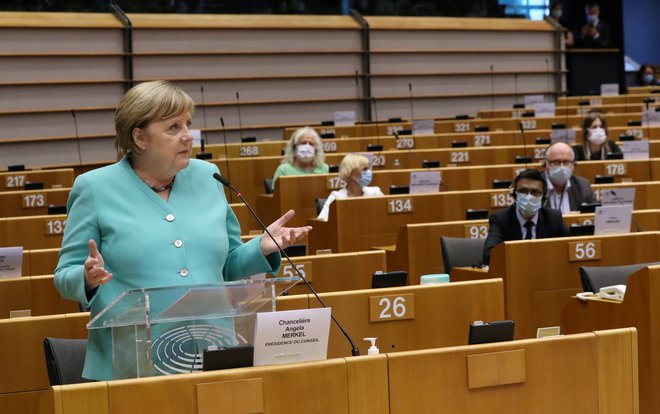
[(224, 138), (354, 349), (373, 101), (524, 141), (75, 127), (632, 216), (412, 108), (240, 121)]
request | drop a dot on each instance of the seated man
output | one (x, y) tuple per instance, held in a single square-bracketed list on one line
[(566, 192), (526, 218)]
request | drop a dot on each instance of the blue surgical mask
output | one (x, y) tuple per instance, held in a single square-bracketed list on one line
[(528, 205), (649, 78), (592, 19), (559, 175), (365, 178)]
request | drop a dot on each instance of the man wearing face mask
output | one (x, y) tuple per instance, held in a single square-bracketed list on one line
[(355, 171), (566, 192), (595, 145), (303, 155), (593, 33), (526, 218)]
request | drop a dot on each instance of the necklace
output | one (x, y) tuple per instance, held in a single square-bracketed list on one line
[(160, 189)]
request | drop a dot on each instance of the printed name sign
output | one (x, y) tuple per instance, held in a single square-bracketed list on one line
[(11, 261), (291, 336), (344, 118)]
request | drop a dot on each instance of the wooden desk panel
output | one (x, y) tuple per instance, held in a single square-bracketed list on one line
[(640, 309), (436, 380), (565, 110), (337, 272), (539, 279), (40, 261), (22, 349), (11, 202), (605, 100), (34, 293), (16, 180), (442, 314)]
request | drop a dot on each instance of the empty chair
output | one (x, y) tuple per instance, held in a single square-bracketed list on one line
[(268, 185), (319, 203), (461, 252), (65, 359), (595, 277)]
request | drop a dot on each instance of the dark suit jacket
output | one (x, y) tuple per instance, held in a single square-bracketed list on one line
[(504, 226), (603, 40), (579, 192), (611, 147)]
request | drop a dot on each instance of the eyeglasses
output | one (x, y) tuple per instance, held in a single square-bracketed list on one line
[(533, 191), (557, 163)]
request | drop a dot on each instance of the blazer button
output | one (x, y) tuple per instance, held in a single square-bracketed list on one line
[(169, 217), (183, 272), (178, 243)]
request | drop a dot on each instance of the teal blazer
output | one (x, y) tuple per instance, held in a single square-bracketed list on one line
[(193, 238)]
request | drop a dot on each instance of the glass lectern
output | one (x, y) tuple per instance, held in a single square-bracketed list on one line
[(161, 331)]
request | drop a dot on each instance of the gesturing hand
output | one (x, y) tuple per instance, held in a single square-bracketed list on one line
[(285, 236), (95, 273)]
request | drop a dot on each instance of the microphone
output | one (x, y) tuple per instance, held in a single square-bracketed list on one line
[(360, 105), (632, 216), (373, 100), (204, 136), (75, 127), (354, 349), (412, 110), (240, 122), (224, 138), (492, 90), (515, 87), (524, 141)]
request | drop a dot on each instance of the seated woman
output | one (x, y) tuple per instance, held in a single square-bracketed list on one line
[(595, 145), (646, 76), (354, 169), (302, 155)]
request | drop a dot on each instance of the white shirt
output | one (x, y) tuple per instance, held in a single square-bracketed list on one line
[(558, 201), (343, 193), (523, 220)]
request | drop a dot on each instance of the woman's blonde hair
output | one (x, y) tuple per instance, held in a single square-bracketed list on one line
[(146, 102), (290, 149), (350, 163)]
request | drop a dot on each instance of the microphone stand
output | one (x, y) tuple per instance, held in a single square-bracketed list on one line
[(355, 351)]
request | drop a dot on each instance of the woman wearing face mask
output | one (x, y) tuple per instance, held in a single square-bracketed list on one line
[(595, 145), (527, 218), (355, 171), (646, 76), (302, 155)]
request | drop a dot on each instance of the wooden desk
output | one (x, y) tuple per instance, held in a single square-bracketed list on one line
[(16, 180), (31, 203), (34, 293), (419, 252), (540, 276), (641, 309), (530, 378), (442, 314), (605, 100), (587, 373), (357, 224), (298, 192), (335, 272)]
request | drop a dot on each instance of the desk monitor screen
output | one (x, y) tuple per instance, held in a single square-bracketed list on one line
[(389, 279), (485, 332), (402, 189), (296, 250), (239, 357), (582, 230)]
